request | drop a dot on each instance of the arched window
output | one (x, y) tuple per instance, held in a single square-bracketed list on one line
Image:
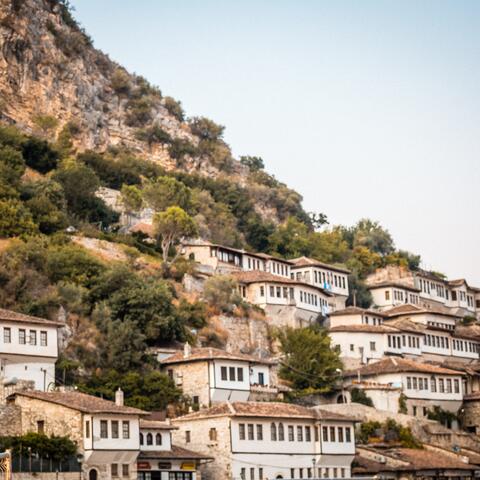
[(273, 432), (158, 439), (141, 439), (281, 432), (149, 439)]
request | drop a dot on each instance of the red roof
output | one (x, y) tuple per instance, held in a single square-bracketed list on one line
[(311, 262), (10, 316)]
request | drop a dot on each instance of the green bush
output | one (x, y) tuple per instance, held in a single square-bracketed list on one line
[(206, 129), (39, 155), (174, 107), (359, 396), (153, 134), (120, 82), (139, 112)]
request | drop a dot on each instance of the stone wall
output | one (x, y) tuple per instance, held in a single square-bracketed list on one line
[(219, 450), (10, 420), (47, 476)]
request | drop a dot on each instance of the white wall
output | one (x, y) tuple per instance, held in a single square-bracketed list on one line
[(14, 347), (97, 443), (166, 439), (359, 340), (255, 370), (37, 369)]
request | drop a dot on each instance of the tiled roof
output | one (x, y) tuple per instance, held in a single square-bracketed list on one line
[(411, 460), (398, 365), (409, 309), (10, 316), (356, 311), (202, 354), (80, 401), (174, 453), (406, 325), (155, 425), (263, 409), (457, 282), (471, 333), (311, 262), (389, 283), (364, 328), (475, 396), (257, 276)]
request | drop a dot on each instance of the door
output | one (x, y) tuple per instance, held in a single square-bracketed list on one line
[(93, 474)]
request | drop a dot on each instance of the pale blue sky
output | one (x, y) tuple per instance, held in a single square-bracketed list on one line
[(367, 108)]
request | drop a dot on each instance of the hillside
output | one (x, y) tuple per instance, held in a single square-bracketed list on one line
[(54, 83)]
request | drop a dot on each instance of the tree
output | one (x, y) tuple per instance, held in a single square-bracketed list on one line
[(12, 167), (359, 295), (15, 219), (120, 82), (132, 199), (39, 155), (46, 123), (206, 129), (165, 192), (310, 363), (174, 107), (318, 220), (171, 226), (372, 235), (253, 163), (290, 239), (153, 134)]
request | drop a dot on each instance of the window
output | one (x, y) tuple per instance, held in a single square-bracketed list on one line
[(252, 474), (292, 473), (335, 472), (300, 473), (103, 429), (449, 385), (315, 429), (188, 436), (149, 439), (273, 432), (332, 434), (212, 434), (223, 373), (308, 434), (240, 374), (170, 373), (125, 470), (33, 337), (41, 426), (260, 474), (22, 337), (7, 335), (87, 429), (241, 431), (409, 383), (348, 435), (281, 432), (372, 346), (43, 339), (141, 438), (352, 347), (299, 433), (261, 378), (441, 385), (291, 434), (414, 411), (114, 468), (231, 372), (456, 384), (259, 432), (114, 428), (325, 434), (414, 383), (262, 291), (125, 429), (250, 431), (340, 434), (272, 291), (387, 294), (243, 474)]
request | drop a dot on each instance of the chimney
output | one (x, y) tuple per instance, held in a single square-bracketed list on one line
[(187, 350), (119, 397)]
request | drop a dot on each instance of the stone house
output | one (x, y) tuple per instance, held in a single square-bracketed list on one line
[(106, 433), (267, 440), (210, 375), (423, 385), (28, 349)]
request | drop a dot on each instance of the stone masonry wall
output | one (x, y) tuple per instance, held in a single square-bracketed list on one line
[(219, 450), (10, 420)]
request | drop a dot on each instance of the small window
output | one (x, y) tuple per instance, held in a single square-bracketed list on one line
[(308, 434), (212, 434), (281, 432), (332, 434), (325, 434), (125, 470), (373, 346), (259, 432), (241, 431), (223, 373), (103, 429), (41, 426), (126, 429), (299, 433), (7, 335), (348, 435), (114, 468), (187, 436), (141, 438), (262, 291), (87, 429), (291, 434), (43, 339), (240, 374), (243, 474), (232, 373), (273, 432), (340, 434), (33, 337), (250, 431), (22, 337), (114, 428), (149, 439)]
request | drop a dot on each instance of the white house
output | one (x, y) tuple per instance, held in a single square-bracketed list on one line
[(329, 277), (28, 349), (423, 385), (159, 459), (210, 375), (286, 301), (355, 316), (386, 295), (265, 440)]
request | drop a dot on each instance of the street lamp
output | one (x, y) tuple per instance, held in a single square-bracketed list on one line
[(80, 460)]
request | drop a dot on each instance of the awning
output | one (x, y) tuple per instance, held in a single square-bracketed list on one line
[(102, 457)]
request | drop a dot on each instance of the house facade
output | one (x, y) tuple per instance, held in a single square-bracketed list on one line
[(259, 441), (424, 386), (210, 375), (28, 349)]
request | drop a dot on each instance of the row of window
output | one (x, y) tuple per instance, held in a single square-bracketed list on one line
[(148, 439), (427, 286), (231, 373), (226, 257), (301, 433), (445, 385), (308, 472), (436, 341), (375, 320), (401, 296), (255, 264), (280, 269), (399, 341), (279, 292), (115, 470), (311, 299), (446, 326), (114, 429), (23, 339), (465, 346)]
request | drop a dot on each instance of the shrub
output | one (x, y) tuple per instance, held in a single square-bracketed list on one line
[(179, 148), (139, 112), (153, 134), (120, 82), (39, 155), (174, 107), (206, 129), (402, 404), (46, 123), (359, 396), (221, 292), (15, 219)]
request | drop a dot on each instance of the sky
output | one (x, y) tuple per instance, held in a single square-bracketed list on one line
[(366, 108)]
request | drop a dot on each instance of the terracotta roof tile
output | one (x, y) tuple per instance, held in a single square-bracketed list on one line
[(203, 354), (398, 365), (10, 316), (406, 325), (409, 309), (356, 311), (174, 453), (263, 409), (156, 425), (364, 328), (80, 401), (389, 283), (311, 262)]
